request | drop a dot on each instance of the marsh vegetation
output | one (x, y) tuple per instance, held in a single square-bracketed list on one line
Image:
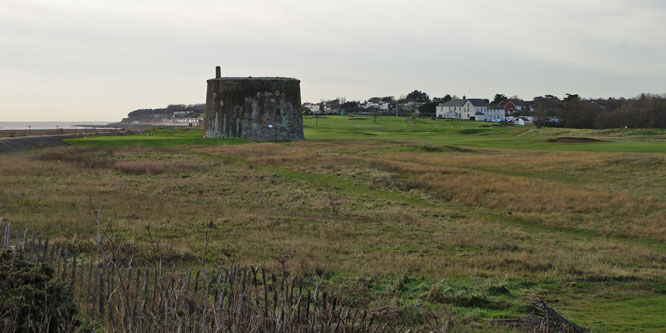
[(411, 220)]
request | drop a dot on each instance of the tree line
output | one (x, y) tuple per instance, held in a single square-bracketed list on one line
[(147, 114), (644, 111)]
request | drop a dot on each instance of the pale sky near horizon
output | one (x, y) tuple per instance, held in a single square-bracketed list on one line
[(99, 60)]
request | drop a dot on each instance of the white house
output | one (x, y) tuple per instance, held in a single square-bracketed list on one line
[(462, 108), (369, 105), (494, 112), (314, 107), (384, 106), (522, 121)]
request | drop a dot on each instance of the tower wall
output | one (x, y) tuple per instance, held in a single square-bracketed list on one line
[(266, 109)]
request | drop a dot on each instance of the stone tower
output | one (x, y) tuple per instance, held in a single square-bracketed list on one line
[(257, 108)]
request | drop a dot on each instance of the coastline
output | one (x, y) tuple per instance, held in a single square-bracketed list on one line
[(9, 133)]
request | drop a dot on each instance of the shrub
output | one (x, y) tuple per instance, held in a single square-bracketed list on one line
[(31, 299)]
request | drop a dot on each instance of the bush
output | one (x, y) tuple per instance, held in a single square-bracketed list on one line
[(31, 299)]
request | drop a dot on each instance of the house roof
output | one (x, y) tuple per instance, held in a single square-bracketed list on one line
[(495, 106), (461, 102), (478, 101), (454, 102)]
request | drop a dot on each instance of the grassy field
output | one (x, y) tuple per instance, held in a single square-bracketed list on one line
[(410, 218)]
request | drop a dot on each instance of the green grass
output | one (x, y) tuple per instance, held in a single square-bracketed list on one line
[(438, 132), (627, 314), (480, 134)]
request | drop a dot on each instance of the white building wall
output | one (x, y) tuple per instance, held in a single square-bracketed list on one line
[(495, 115), (468, 110)]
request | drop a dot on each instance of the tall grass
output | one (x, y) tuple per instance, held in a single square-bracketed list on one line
[(561, 224)]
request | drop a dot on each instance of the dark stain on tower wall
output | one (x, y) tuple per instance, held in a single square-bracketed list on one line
[(258, 108)]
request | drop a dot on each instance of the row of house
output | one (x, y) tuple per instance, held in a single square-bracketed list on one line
[(336, 107), (182, 120), (471, 109), (381, 106)]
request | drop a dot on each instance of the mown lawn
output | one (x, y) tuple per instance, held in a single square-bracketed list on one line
[(481, 134), (440, 131), (413, 220)]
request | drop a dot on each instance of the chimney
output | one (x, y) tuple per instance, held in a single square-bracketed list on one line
[(464, 97), (218, 72)]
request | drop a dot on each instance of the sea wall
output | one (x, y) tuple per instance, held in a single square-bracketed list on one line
[(23, 143)]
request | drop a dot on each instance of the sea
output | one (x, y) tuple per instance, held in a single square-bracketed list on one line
[(37, 125)]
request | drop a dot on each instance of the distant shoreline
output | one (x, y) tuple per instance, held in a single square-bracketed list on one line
[(59, 131), (50, 125), (19, 129)]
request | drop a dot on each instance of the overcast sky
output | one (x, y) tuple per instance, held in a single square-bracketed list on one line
[(99, 59)]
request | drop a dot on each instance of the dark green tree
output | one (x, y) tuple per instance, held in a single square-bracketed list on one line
[(428, 109), (443, 99), (417, 96), (498, 98)]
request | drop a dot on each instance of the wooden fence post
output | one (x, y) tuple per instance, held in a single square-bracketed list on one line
[(81, 277), (73, 282), (9, 236), (39, 252), (59, 258), (100, 292), (46, 252), (64, 267), (2, 232), (32, 246), (25, 240), (96, 297), (18, 238), (90, 280)]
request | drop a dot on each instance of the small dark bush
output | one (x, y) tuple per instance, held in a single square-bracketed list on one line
[(32, 300)]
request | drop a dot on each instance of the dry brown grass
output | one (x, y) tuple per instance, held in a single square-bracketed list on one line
[(136, 161), (433, 214), (362, 212), (610, 193), (151, 167)]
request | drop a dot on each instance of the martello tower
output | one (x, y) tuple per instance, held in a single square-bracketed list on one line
[(258, 108)]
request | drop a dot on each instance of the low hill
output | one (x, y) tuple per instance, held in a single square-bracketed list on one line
[(149, 116)]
